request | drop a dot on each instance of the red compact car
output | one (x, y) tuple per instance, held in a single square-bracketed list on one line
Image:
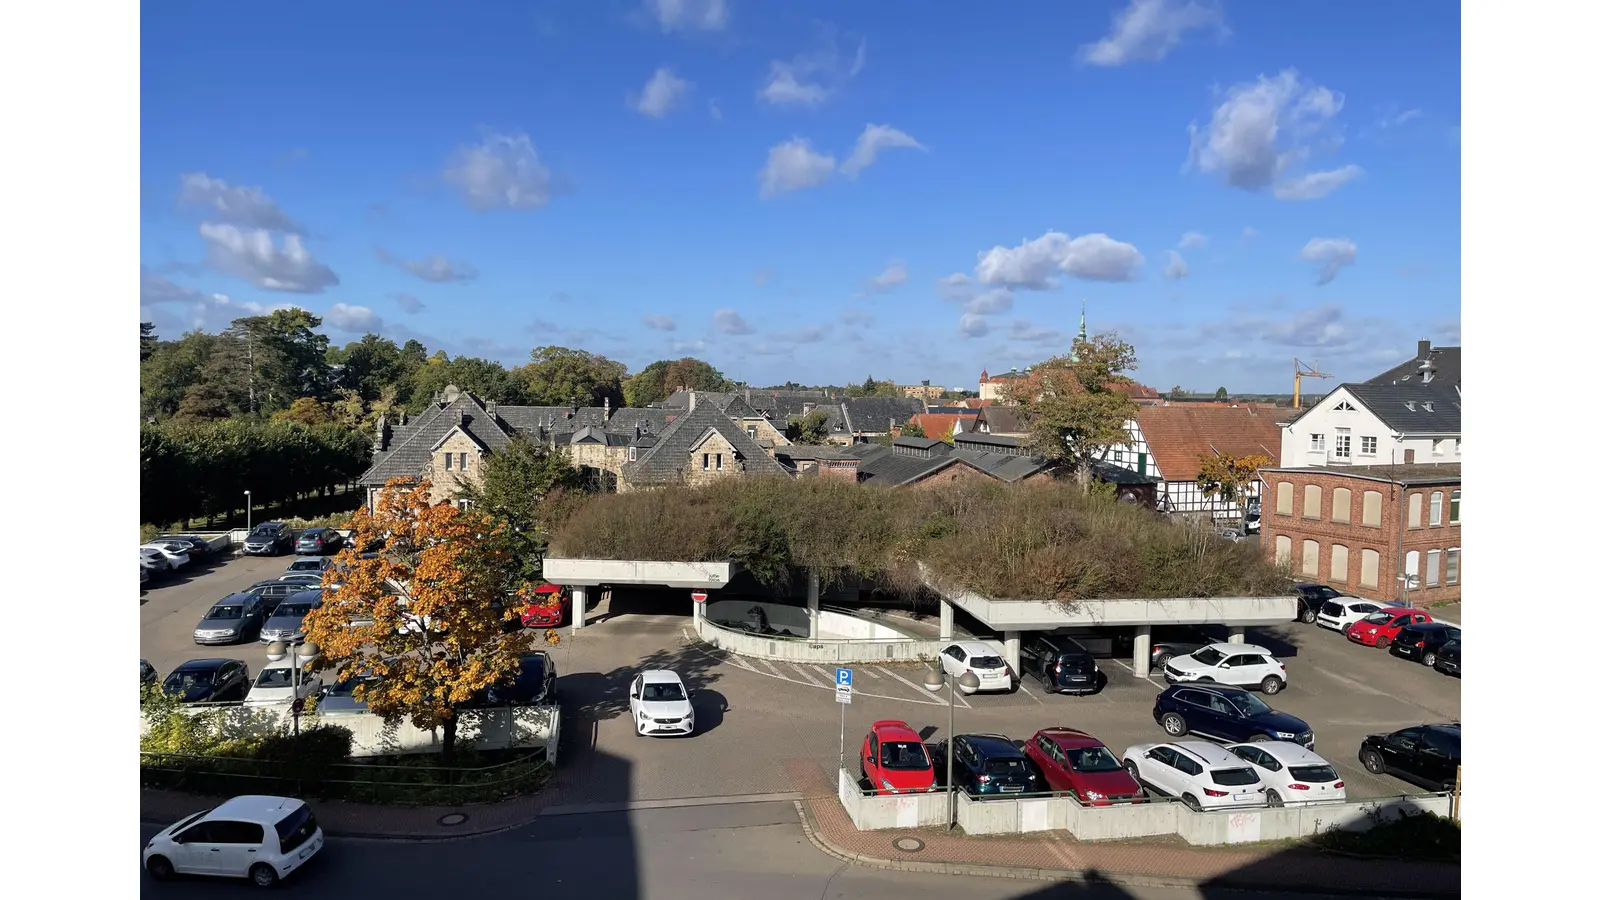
[(1380, 629), (1077, 762), (548, 607), (894, 760)]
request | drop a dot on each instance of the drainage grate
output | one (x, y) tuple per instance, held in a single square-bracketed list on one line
[(450, 819), (908, 845)]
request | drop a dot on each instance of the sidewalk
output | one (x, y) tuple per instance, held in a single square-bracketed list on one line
[(1056, 856)]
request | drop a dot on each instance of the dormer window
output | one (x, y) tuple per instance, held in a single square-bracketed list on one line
[(1344, 406), (1411, 405), (1428, 405), (633, 454)]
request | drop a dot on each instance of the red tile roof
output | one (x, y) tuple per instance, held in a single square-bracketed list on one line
[(935, 425), (1182, 436)]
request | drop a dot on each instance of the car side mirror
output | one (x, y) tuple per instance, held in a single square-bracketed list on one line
[(1149, 754), (872, 761), (691, 693), (634, 696), (1226, 665)]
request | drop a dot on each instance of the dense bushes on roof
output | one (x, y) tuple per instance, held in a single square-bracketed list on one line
[(1001, 541)]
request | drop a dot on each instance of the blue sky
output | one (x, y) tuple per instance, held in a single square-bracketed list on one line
[(815, 191)]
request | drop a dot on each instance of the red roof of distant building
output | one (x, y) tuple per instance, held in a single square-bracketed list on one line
[(1182, 437)]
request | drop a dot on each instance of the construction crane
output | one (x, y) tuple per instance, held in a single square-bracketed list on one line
[(1300, 371)]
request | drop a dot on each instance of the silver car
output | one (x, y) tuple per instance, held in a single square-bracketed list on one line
[(234, 618), (288, 620)]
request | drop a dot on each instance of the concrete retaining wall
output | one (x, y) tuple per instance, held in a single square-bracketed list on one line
[(873, 813), (1249, 826), (823, 651), (839, 625)]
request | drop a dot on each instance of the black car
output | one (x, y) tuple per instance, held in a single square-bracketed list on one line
[(1428, 756), (1449, 660), (1422, 643), (199, 547), (273, 592), (534, 683), (986, 764), (208, 681), (1167, 641), (147, 673), (269, 539), (1061, 664), (1227, 714), (1312, 596), (317, 541)]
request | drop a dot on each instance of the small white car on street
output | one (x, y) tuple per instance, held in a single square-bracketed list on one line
[(1239, 665), (256, 837), (154, 560), (275, 684), (177, 555), (660, 704), (1339, 613), (983, 661), (1201, 774), (1293, 775)]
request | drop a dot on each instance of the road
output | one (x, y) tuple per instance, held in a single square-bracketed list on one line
[(685, 853)]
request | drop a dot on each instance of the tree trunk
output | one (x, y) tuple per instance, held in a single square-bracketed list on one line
[(448, 750), (1082, 474)]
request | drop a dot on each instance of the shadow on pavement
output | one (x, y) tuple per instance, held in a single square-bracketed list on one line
[(708, 709)]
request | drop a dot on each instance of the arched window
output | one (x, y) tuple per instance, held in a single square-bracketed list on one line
[(1372, 508), (1369, 568), (1414, 511), (1285, 498), (1312, 508), (1309, 563), (1341, 505), (1436, 508), (1338, 563), (1283, 550)]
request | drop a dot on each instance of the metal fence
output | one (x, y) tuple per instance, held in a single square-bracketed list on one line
[(419, 785)]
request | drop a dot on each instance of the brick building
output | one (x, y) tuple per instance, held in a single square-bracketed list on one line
[(1358, 528)]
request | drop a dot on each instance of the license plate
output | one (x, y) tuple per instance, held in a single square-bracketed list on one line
[(1008, 789), (1241, 796), (1080, 678)]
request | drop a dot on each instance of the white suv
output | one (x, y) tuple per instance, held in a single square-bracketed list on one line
[(1292, 774), (1239, 665), (1339, 613), (987, 664), (255, 837), (1202, 775)]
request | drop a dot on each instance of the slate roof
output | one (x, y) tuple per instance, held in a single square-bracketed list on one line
[(794, 453), (410, 451), (664, 462), (1001, 419), (871, 415), (1406, 473), (1446, 368), (977, 440), (1405, 407), (1181, 438), (882, 465)]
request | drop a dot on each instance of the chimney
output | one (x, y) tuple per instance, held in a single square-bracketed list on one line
[(490, 407), (1423, 349), (691, 401), (607, 410), (380, 438)]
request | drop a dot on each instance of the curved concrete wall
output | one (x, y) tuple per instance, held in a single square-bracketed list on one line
[(800, 649)]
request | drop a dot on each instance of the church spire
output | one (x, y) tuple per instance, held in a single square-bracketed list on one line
[(1083, 329)]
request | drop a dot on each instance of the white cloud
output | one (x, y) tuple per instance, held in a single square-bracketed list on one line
[(972, 326), (1315, 185), (1176, 267), (408, 303), (1332, 254), (1023, 330), (810, 79), (1262, 130), (792, 166), (435, 268), (990, 302), (661, 323), (784, 87), (1033, 264), (727, 321), (351, 318), (503, 171), (1191, 240), (661, 93), (688, 346), (890, 278), (1149, 30), (175, 308), (955, 286), (246, 207), (252, 256), (689, 15), (872, 140)]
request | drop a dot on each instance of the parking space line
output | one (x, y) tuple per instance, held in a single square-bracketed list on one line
[(1028, 692), (917, 688), (1149, 678), (801, 671), (872, 674)]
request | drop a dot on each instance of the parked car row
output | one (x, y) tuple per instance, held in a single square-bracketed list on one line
[(1404, 631), (169, 553)]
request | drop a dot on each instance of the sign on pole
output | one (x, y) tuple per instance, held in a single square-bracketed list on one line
[(698, 596), (841, 685)]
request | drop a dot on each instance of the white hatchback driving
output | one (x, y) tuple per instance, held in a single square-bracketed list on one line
[(983, 661), (256, 837), (660, 704), (1239, 665)]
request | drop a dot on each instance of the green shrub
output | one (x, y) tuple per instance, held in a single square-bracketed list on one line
[(1415, 836)]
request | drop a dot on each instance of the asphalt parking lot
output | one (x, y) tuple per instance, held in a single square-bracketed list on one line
[(774, 727)]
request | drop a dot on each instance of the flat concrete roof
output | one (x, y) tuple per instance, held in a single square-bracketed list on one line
[(586, 572), (1044, 615)]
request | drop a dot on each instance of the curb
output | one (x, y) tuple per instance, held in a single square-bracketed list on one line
[(394, 837), (1079, 876)]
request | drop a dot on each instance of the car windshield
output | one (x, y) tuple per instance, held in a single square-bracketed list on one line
[(226, 612), (347, 688), (260, 535), (986, 662), (1208, 657), (1093, 759), (183, 682), (1249, 705), (1004, 766), (1313, 774), (661, 691), (305, 565), (1235, 777), (275, 678), (905, 755), (1378, 617), (291, 610)]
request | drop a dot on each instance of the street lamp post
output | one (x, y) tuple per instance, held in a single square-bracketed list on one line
[(299, 654), (247, 511), (934, 681)]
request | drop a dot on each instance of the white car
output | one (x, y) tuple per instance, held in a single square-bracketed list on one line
[(154, 560), (1293, 775), (1202, 775), (275, 684), (1239, 665), (660, 703), (983, 661), (177, 554), (255, 837), (1339, 613)]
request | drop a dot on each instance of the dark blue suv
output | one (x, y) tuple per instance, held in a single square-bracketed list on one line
[(1227, 714)]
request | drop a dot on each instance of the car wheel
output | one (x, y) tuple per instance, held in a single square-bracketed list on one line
[(1273, 799), (1260, 738), (1173, 724), (1160, 662), (1381, 643), (1308, 616), (263, 875), (1372, 761), (1429, 658), (1133, 770), (1191, 802), (1271, 684), (159, 867), (1345, 630)]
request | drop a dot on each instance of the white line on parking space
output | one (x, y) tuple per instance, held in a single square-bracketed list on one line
[(1028, 692), (872, 674), (1149, 678), (801, 671), (774, 673), (916, 688)]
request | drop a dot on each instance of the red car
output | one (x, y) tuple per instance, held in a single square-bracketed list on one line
[(548, 607), (1382, 627), (1076, 762), (894, 760)]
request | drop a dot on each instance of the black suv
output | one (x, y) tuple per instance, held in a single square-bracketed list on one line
[(1422, 643), (1061, 664), (1312, 596), (534, 683), (986, 764), (269, 539), (1227, 714), (1428, 756)]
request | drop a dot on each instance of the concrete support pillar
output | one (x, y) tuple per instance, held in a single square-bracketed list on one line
[(947, 620), (580, 606), (813, 603), (1014, 652), (1141, 651), (1235, 634)]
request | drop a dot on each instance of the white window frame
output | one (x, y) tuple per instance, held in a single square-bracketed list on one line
[(461, 462), (1435, 560), (1436, 509), (633, 453), (1341, 443), (719, 462), (448, 461), (1319, 443), (705, 462), (1369, 440)]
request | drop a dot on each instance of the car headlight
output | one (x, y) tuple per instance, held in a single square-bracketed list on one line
[(1094, 795), (888, 785), (1286, 735)]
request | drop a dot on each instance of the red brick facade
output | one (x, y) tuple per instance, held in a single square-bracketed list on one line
[(1371, 554)]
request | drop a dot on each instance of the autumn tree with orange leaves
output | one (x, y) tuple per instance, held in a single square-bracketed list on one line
[(1229, 477), (428, 614)]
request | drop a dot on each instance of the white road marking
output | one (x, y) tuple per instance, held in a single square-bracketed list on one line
[(871, 673), (801, 671), (1149, 678), (1028, 692), (919, 688), (754, 670)]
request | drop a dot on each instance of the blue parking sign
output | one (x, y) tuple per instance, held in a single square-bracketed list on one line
[(841, 678)]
